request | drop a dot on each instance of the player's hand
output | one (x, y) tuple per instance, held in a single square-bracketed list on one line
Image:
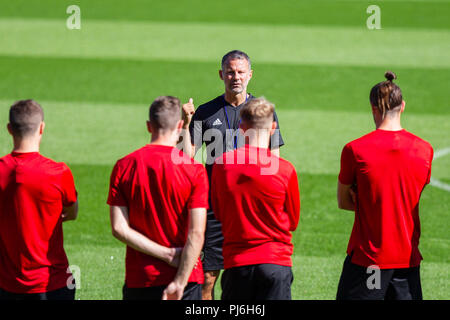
[(174, 291), (175, 257), (187, 111)]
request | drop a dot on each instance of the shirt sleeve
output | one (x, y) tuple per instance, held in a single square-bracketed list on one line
[(199, 194), (116, 196), (68, 188), (292, 203), (347, 175), (429, 169), (276, 140), (196, 130)]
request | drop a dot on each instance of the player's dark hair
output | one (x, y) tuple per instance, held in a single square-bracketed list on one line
[(236, 54), (25, 116), (386, 95), (165, 112)]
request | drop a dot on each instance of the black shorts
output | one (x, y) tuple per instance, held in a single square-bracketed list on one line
[(361, 283), (257, 282), (59, 294), (212, 258), (193, 291)]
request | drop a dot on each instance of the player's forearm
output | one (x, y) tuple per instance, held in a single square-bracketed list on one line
[(292, 204), (139, 242), (347, 206), (190, 255), (345, 199), (70, 213), (345, 202), (294, 218)]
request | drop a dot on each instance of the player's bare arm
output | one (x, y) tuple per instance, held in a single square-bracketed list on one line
[(122, 231), (346, 197), (190, 254), (70, 212)]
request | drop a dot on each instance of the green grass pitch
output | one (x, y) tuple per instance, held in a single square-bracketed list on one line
[(316, 60)]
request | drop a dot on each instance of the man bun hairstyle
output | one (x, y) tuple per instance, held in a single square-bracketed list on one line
[(389, 75), (257, 113), (386, 95), (165, 112), (25, 116)]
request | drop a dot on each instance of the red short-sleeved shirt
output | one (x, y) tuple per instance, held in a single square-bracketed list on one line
[(255, 195), (159, 185), (390, 170), (33, 191)]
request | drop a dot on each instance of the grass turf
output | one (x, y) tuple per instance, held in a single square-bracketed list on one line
[(310, 87), (326, 45)]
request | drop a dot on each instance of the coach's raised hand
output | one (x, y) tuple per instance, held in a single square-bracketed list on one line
[(187, 111)]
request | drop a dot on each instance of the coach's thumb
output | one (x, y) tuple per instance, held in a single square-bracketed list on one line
[(191, 100)]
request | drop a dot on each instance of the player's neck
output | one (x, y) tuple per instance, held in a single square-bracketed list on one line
[(257, 144), (235, 99), (164, 140), (389, 124), (25, 145), (260, 140)]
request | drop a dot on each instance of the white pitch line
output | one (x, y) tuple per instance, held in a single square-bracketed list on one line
[(439, 184), (441, 153), (435, 182)]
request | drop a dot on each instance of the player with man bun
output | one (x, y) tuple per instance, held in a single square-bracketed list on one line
[(381, 179)]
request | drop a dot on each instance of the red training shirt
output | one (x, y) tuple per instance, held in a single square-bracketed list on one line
[(390, 170), (33, 191), (158, 193), (258, 209)]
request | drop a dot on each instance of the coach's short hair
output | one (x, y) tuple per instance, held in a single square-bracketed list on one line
[(257, 113), (236, 54), (165, 112), (25, 116)]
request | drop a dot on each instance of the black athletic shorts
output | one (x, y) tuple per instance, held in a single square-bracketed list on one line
[(257, 282), (361, 283), (59, 294), (212, 258), (193, 291)]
